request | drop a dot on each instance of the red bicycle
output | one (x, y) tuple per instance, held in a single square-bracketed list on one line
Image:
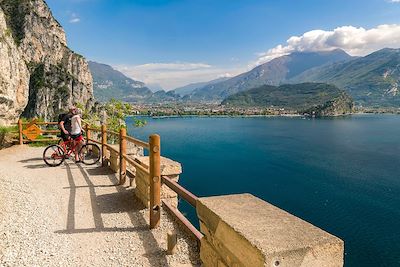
[(54, 155)]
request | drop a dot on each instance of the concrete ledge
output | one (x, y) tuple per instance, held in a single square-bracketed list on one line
[(243, 230)]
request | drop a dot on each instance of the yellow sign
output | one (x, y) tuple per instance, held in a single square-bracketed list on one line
[(32, 132)]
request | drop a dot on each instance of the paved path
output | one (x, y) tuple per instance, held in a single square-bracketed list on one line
[(74, 215)]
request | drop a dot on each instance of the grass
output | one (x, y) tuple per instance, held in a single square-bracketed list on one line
[(8, 129), (44, 144), (5, 133)]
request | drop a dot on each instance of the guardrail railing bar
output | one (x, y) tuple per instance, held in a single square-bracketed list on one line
[(196, 233), (137, 142), (180, 190)]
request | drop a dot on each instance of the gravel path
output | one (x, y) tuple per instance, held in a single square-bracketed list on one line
[(73, 215)]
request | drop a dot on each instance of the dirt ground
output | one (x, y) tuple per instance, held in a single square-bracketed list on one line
[(75, 215)]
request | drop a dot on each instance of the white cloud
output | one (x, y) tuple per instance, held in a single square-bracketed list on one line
[(394, 1), (172, 75), (353, 40), (74, 18)]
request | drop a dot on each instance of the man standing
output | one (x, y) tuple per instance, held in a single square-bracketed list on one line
[(65, 123)]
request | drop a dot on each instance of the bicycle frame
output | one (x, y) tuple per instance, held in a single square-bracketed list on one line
[(69, 146)]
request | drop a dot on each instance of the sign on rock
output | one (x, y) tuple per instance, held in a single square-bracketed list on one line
[(32, 132)]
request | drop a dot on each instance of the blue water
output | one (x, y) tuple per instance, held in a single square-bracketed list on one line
[(342, 174)]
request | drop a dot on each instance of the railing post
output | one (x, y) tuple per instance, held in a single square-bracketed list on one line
[(155, 181), (88, 135), (103, 142), (21, 142), (122, 152)]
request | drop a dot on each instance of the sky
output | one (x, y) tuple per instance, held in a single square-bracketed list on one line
[(176, 42)]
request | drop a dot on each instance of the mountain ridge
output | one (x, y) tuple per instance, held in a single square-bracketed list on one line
[(110, 83), (273, 72), (372, 80), (317, 99)]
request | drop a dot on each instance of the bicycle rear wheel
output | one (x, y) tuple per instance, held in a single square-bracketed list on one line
[(90, 154), (53, 155)]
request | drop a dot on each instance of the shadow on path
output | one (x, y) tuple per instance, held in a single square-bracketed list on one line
[(122, 201), (34, 160)]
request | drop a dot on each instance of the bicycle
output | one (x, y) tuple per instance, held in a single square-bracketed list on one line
[(54, 155)]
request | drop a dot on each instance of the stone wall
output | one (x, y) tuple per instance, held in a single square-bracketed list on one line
[(113, 157), (169, 168), (243, 230)]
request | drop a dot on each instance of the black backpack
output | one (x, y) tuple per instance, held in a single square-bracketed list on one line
[(60, 117)]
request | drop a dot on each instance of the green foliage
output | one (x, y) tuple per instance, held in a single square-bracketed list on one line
[(44, 144), (6, 135), (115, 112), (303, 97), (8, 129), (139, 123), (37, 79), (7, 32)]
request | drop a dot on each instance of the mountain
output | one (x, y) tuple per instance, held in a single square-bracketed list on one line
[(109, 83), (40, 76), (154, 87), (373, 80), (319, 99), (187, 89), (274, 72)]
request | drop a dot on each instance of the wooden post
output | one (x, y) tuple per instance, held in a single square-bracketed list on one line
[(21, 142), (122, 152), (103, 142), (171, 242), (87, 133), (155, 181)]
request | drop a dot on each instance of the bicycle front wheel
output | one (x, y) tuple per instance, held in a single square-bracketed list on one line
[(53, 155), (90, 154)]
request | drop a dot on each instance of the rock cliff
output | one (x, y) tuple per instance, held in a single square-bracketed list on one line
[(14, 77), (57, 77)]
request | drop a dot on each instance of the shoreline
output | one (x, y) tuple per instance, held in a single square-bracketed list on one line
[(263, 116)]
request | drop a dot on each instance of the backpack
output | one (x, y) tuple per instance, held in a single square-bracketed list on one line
[(60, 117)]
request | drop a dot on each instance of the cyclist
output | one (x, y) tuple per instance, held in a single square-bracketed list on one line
[(76, 131), (65, 123)]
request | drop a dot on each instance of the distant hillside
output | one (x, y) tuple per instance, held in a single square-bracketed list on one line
[(154, 87), (109, 83), (373, 80), (312, 98), (187, 89), (274, 72)]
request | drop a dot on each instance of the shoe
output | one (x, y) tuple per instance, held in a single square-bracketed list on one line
[(78, 161)]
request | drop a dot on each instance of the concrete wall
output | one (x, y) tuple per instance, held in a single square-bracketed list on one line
[(243, 230)]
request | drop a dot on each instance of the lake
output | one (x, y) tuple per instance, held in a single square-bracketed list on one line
[(340, 174)]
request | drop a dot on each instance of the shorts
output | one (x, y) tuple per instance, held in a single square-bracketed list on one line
[(64, 136), (77, 137)]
